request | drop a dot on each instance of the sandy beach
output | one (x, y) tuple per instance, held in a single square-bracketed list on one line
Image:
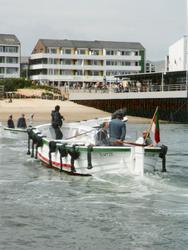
[(42, 108)]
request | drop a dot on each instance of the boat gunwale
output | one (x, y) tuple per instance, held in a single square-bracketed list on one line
[(82, 148)]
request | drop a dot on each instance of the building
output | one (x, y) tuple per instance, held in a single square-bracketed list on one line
[(71, 61), (150, 67), (24, 66), (10, 50), (177, 59), (155, 66)]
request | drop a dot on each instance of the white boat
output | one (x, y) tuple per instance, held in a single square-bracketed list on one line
[(77, 154)]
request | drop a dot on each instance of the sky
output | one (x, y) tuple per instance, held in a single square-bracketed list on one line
[(156, 24)]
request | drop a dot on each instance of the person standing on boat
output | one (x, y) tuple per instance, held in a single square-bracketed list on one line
[(117, 130), (22, 122), (102, 138), (122, 112), (10, 122), (57, 122)]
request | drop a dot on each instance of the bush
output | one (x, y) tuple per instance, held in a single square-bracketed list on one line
[(12, 84)]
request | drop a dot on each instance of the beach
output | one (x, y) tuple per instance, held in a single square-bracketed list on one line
[(42, 108)]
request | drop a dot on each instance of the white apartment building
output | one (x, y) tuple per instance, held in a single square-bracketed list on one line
[(10, 50), (177, 59), (61, 61)]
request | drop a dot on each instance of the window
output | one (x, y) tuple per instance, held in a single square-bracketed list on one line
[(51, 61), (50, 72), (78, 62), (67, 62), (11, 49), (12, 70), (2, 59), (12, 60), (2, 70), (94, 52), (78, 72), (68, 51), (81, 51), (53, 51), (127, 53), (110, 52), (1, 48)]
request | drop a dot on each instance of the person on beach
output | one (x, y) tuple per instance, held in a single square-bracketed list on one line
[(10, 122), (57, 122), (101, 138), (22, 122), (117, 130)]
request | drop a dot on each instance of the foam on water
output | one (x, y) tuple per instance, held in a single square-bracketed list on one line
[(45, 209)]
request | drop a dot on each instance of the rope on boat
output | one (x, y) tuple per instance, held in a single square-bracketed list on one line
[(89, 150), (162, 155), (63, 153), (74, 153), (52, 149)]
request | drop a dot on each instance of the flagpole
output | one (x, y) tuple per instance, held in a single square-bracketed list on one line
[(148, 130)]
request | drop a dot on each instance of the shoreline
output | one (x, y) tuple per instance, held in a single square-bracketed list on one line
[(42, 108)]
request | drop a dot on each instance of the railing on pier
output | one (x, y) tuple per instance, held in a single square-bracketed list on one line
[(117, 89)]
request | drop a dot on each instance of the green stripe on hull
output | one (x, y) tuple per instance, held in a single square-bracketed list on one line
[(95, 149)]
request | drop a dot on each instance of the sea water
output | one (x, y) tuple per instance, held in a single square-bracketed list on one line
[(41, 208)]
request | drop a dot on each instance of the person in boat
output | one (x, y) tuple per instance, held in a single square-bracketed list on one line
[(147, 138), (57, 122), (10, 122), (117, 130), (102, 138), (22, 122)]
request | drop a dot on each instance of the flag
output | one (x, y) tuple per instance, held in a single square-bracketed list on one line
[(155, 128)]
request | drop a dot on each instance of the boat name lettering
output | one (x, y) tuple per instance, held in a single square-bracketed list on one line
[(106, 154)]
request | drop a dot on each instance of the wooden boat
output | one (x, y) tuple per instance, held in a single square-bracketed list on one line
[(77, 153)]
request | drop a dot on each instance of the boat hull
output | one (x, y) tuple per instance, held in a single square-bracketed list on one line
[(119, 160), (82, 157)]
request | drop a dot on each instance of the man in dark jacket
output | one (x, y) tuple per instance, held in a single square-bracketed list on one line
[(22, 122), (117, 130), (121, 112), (10, 122), (57, 122)]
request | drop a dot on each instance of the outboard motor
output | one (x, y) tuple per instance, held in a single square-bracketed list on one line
[(162, 155)]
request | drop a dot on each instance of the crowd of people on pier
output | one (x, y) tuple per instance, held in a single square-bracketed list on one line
[(116, 87)]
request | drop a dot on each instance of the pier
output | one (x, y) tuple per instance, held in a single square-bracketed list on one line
[(140, 96)]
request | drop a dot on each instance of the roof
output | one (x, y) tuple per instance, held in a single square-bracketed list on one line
[(91, 44), (9, 39), (139, 76)]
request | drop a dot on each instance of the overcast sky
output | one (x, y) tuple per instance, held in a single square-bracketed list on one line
[(155, 23)]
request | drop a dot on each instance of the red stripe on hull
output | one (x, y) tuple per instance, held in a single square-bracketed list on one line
[(68, 166)]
